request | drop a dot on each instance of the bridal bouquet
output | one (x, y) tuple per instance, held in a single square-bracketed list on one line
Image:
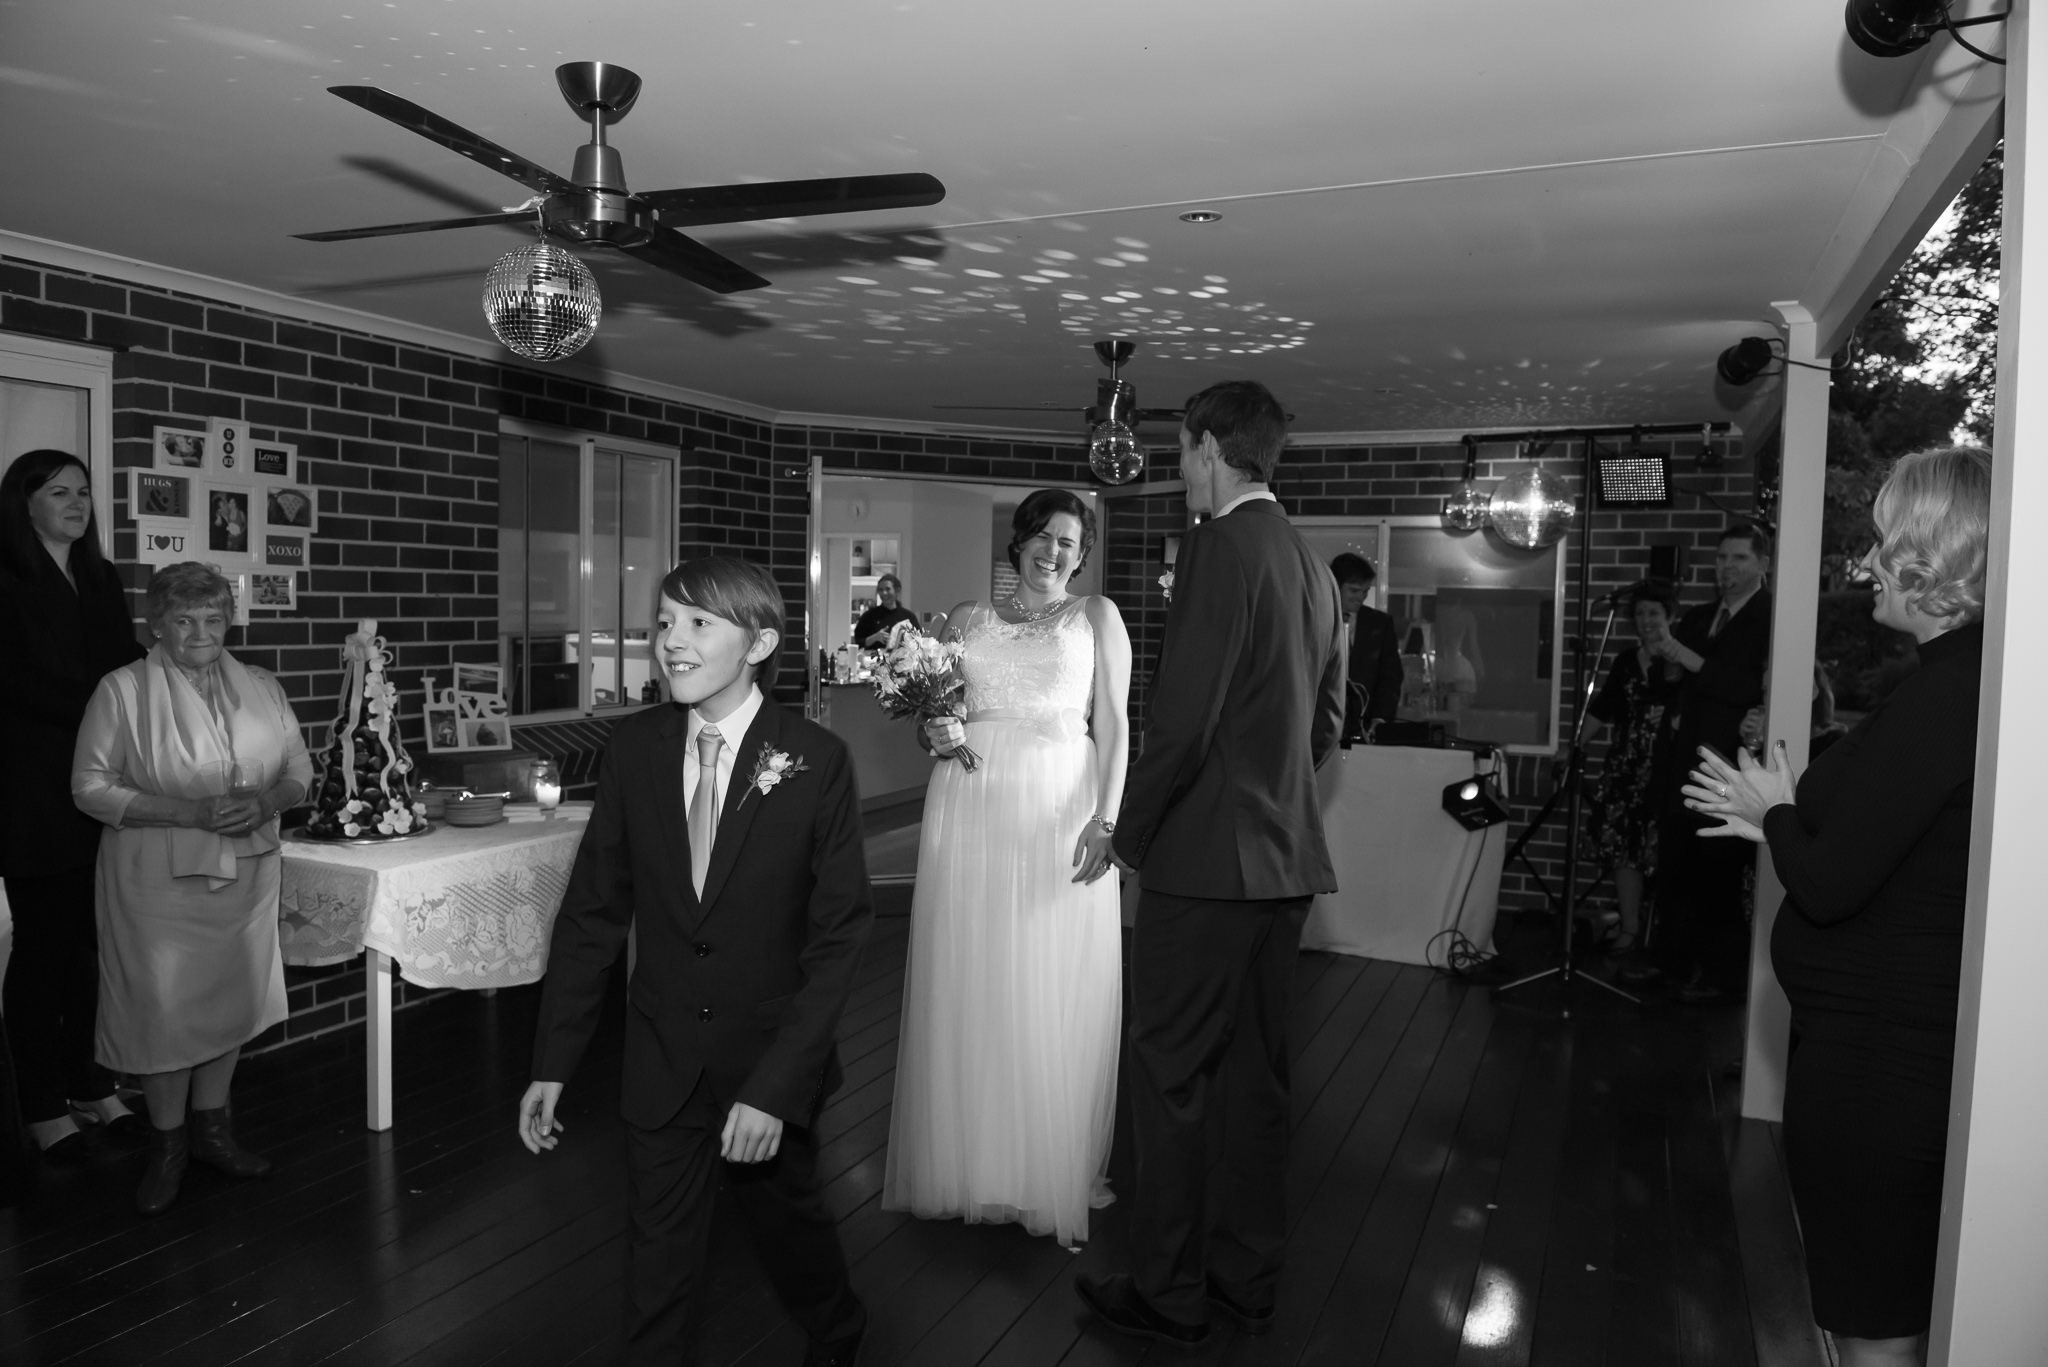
[(918, 676)]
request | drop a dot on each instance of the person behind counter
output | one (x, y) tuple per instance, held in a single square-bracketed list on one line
[(873, 627), (1372, 675), (63, 612), (1872, 844), (187, 756)]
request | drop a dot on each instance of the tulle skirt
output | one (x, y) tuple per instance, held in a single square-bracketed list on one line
[(1012, 998)]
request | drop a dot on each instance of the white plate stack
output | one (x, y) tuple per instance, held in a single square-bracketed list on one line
[(475, 811)]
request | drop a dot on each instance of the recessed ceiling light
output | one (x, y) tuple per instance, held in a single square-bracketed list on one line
[(1201, 216)]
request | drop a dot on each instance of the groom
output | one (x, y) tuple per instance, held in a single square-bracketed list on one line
[(1221, 823)]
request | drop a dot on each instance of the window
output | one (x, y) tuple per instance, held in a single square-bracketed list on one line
[(586, 530)]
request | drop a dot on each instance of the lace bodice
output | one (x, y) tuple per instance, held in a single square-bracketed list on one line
[(1029, 669)]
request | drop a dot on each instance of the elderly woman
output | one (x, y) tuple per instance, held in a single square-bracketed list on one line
[(1872, 845), (65, 618), (187, 756)]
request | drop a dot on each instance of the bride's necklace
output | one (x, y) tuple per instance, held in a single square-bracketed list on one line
[(1031, 614)]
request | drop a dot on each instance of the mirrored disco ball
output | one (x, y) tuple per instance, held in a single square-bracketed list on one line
[(1468, 509), (542, 302), (1531, 508), (1114, 453)]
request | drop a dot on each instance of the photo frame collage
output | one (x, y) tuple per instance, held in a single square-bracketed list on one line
[(471, 713), (229, 500)]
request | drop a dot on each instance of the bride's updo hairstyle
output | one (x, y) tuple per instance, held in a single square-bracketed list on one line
[(1037, 510), (740, 591), (1933, 519)]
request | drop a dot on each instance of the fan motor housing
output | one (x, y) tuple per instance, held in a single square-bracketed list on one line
[(596, 216)]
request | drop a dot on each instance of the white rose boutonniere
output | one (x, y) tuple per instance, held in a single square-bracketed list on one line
[(1166, 585), (772, 767)]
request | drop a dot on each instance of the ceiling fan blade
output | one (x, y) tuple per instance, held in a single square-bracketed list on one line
[(453, 136), (430, 226), (793, 198), (694, 261), (1012, 407)]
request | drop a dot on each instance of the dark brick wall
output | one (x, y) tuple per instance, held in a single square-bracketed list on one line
[(401, 443)]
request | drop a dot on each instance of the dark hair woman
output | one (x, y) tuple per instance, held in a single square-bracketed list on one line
[(1873, 846), (65, 618)]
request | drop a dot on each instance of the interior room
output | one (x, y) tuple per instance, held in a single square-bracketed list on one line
[(442, 332)]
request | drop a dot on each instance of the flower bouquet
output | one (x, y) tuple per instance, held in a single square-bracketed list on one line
[(918, 676)]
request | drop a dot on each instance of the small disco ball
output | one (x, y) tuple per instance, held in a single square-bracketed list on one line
[(1114, 453), (1532, 508), (1468, 509), (542, 302)]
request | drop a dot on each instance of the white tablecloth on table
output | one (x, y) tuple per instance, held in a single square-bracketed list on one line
[(1406, 871), (467, 907)]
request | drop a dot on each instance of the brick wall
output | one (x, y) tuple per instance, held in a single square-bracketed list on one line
[(400, 442)]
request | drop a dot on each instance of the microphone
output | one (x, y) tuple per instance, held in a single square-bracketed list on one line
[(1617, 597)]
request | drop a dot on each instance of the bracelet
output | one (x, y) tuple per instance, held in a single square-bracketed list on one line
[(1108, 826)]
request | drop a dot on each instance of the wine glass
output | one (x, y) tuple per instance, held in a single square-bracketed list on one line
[(547, 787), (245, 780)]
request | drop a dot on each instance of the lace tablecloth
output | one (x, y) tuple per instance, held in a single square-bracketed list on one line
[(467, 907)]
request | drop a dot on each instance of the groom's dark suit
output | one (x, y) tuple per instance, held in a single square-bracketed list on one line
[(1221, 819), (734, 999)]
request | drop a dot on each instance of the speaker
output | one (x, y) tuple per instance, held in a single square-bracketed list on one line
[(1664, 564)]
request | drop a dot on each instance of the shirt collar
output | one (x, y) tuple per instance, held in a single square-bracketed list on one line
[(1742, 602), (1244, 498), (733, 729)]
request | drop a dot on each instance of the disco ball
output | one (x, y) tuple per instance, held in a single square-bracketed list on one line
[(1468, 509), (1532, 508), (542, 302), (1114, 453)]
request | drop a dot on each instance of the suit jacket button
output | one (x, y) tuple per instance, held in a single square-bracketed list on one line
[(701, 948), (705, 1014)]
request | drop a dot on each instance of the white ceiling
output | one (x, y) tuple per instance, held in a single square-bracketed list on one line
[(1435, 217)]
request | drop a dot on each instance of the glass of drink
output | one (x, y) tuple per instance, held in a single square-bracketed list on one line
[(245, 780)]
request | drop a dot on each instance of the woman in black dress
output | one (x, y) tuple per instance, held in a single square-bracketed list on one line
[(873, 627), (1640, 687), (1874, 853), (65, 619)]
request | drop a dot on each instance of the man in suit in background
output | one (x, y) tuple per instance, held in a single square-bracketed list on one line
[(1373, 658), (726, 838), (1222, 824), (1724, 647)]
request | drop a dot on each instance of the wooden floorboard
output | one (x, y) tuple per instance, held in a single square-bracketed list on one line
[(1475, 1180)]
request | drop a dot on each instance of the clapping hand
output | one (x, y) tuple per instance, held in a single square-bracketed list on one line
[(1739, 793)]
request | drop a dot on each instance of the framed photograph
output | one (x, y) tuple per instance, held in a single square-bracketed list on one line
[(460, 718), (283, 551), (227, 447), (274, 592), (487, 733), (160, 541), (178, 449), (272, 462), (228, 525), (153, 494), (290, 508)]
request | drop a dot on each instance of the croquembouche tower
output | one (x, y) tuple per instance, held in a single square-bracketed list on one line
[(362, 785)]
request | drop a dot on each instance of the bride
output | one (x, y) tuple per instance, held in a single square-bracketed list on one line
[(1006, 1072)]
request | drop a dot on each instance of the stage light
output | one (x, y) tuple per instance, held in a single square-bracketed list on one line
[(1892, 28), (1635, 480), (1474, 802), (1746, 360)]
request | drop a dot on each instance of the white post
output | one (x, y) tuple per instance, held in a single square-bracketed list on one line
[(1795, 613), (1988, 1302), (377, 1035)]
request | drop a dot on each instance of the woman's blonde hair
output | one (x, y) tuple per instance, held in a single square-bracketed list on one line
[(1933, 519)]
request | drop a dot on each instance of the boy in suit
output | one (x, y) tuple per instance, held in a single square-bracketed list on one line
[(726, 840), (1372, 666)]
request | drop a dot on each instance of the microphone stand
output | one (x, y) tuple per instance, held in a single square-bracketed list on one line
[(1575, 769)]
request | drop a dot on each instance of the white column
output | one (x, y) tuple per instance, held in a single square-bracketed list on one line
[(1988, 1301), (377, 1037), (1795, 611)]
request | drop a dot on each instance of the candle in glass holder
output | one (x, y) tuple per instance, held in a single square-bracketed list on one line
[(547, 786)]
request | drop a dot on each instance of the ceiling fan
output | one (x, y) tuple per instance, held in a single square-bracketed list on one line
[(1116, 400), (594, 207)]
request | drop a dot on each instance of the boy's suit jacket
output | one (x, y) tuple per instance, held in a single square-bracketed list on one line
[(1372, 673), (744, 987), (1246, 701)]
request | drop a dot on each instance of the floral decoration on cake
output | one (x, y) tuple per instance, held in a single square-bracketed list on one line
[(362, 787)]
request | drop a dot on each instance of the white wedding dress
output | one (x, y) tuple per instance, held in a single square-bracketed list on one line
[(1012, 998)]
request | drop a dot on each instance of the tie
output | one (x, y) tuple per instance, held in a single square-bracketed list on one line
[(704, 806), (1720, 620)]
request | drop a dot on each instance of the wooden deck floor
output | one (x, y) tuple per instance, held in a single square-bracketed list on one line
[(1475, 1181)]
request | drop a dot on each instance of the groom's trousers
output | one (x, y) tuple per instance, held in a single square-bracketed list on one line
[(1210, 985)]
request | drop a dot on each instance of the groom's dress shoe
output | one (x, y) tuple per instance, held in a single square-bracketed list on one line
[(839, 1352), (1253, 1319), (1117, 1304)]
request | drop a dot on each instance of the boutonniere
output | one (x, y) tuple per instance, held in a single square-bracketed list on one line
[(1166, 585), (772, 767)]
